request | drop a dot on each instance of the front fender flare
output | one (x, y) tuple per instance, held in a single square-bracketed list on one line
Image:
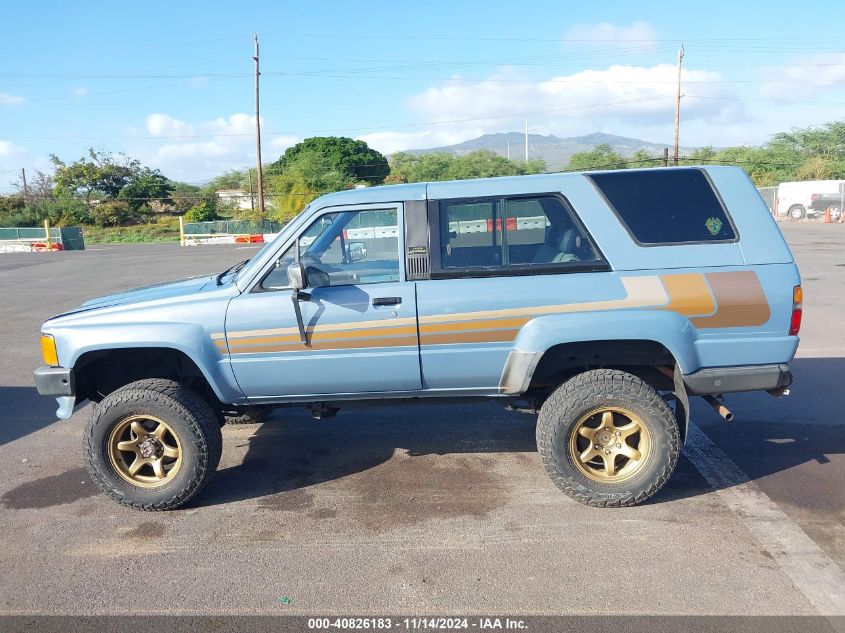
[(190, 339)]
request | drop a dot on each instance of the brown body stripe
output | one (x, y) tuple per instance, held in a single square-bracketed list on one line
[(326, 336), (404, 341), (740, 299), (489, 336), (489, 324)]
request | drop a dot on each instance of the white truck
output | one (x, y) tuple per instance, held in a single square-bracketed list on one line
[(809, 198)]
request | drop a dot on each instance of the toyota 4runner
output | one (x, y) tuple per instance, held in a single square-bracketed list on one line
[(602, 301)]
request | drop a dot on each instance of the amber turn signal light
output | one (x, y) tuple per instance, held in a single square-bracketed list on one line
[(48, 350)]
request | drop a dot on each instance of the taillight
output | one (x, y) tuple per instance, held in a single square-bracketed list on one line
[(797, 308)]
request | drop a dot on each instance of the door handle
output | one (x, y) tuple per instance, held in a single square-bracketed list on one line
[(387, 301)]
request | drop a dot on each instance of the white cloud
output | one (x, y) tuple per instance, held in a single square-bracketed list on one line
[(390, 142), (628, 100), (196, 151), (10, 99), (12, 158), (79, 92), (281, 143), (166, 126), (636, 36), (806, 76)]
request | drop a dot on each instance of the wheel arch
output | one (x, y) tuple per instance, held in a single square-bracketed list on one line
[(103, 370), (597, 339)]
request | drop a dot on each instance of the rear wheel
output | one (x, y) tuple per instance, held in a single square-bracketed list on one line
[(608, 439), (153, 444)]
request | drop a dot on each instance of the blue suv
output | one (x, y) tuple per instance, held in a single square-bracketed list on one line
[(602, 301)]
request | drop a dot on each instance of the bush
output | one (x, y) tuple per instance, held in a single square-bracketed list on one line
[(63, 211), (205, 211), (111, 213)]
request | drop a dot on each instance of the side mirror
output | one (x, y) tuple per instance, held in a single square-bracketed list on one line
[(296, 276), (356, 251)]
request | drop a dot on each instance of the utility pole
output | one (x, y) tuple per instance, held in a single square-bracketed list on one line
[(665, 156), (258, 133), (509, 150), (23, 179), (678, 104), (526, 140), (251, 196)]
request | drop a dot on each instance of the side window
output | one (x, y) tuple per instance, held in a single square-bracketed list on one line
[(470, 233), (666, 206), (514, 233), (344, 248)]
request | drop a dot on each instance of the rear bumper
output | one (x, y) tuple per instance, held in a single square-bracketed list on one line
[(55, 381), (716, 380)]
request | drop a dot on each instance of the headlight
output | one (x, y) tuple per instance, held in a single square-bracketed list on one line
[(48, 350)]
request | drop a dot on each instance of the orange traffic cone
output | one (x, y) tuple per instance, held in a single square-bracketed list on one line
[(827, 215)]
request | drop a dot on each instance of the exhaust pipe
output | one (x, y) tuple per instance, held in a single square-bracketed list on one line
[(719, 407)]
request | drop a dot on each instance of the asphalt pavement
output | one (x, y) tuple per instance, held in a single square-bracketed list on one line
[(435, 509)]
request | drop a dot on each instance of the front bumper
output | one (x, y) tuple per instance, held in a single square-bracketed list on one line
[(717, 380), (55, 381)]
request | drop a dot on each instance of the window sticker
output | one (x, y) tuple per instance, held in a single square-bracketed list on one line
[(714, 225)]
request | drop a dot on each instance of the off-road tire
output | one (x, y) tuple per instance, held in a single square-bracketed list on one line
[(607, 387), (250, 415), (187, 413)]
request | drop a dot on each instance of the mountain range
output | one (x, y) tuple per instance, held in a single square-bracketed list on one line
[(555, 150)]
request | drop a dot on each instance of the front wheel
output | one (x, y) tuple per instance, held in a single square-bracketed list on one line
[(607, 439), (796, 212), (153, 444)]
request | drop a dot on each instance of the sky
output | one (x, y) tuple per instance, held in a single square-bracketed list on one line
[(171, 83)]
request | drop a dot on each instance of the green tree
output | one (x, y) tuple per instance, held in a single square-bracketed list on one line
[(436, 166), (602, 156), (102, 175), (203, 211), (143, 186), (641, 158), (111, 213), (183, 196), (355, 159), (701, 155), (230, 179), (304, 178)]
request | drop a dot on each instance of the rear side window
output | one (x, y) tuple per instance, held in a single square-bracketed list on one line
[(666, 206), (517, 235)]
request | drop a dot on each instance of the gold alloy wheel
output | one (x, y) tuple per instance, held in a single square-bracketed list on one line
[(144, 451), (609, 444)]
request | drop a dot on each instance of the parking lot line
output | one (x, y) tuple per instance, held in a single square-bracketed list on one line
[(812, 572)]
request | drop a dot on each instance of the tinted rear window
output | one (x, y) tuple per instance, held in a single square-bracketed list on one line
[(668, 206)]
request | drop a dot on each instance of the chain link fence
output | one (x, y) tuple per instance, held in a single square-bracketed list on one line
[(232, 227)]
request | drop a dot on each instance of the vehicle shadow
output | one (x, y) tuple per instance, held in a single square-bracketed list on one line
[(800, 433), (23, 411)]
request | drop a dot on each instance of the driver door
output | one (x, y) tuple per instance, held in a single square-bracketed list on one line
[(360, 320)]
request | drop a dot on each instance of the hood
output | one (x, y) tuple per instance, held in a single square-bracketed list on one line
[(150, 293)]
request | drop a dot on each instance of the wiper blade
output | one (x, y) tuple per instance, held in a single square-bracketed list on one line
[(231, 269)]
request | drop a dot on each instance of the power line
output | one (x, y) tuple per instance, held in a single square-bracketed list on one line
[(463, 38), (765, 99)]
